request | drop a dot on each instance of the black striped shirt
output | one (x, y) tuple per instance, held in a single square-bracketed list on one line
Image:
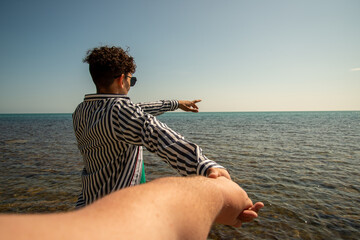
[(110, 131)]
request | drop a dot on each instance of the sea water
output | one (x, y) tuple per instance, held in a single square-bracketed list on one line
[(304, 166)]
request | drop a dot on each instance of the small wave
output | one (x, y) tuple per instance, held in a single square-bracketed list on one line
[(16, 141)]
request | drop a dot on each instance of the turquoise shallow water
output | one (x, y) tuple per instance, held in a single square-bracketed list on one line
[(303, 165)]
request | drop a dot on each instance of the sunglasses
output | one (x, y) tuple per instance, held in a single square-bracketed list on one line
[(132, 80)]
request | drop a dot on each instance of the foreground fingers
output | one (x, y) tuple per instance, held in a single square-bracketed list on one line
[(250, 214), (257, 206), (247, 216)]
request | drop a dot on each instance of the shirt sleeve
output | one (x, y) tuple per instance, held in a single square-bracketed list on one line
[(134, 126), (159, 107)]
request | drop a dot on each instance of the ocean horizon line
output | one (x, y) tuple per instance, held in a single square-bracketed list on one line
[(176, 112)]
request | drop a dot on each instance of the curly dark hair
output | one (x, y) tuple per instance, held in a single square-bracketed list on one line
[(106, 63)]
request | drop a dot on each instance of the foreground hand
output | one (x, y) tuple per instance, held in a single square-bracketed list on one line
[(249, 214), (189, 106), (217, 172), (237, 206)]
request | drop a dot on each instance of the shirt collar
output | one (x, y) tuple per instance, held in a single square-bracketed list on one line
[(97, 96)]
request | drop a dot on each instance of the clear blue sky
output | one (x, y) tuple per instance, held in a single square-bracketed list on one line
[(235, 55)]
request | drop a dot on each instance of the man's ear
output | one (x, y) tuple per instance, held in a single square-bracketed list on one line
[(120, 80)]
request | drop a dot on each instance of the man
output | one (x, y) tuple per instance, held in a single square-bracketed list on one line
[(111, 130), (166, 208)]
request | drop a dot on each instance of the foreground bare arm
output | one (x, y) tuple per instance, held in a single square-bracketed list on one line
[(167, 208)]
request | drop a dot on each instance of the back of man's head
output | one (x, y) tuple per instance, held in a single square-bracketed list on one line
[(106, 63)]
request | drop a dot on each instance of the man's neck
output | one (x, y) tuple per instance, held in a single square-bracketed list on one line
[(110, 91)]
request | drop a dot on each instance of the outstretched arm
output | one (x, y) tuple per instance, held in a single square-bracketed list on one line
[(159, 107), (135, 127), (161, 209)]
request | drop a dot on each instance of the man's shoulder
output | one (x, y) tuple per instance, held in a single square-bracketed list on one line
[(110, 103), (107, 99)]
